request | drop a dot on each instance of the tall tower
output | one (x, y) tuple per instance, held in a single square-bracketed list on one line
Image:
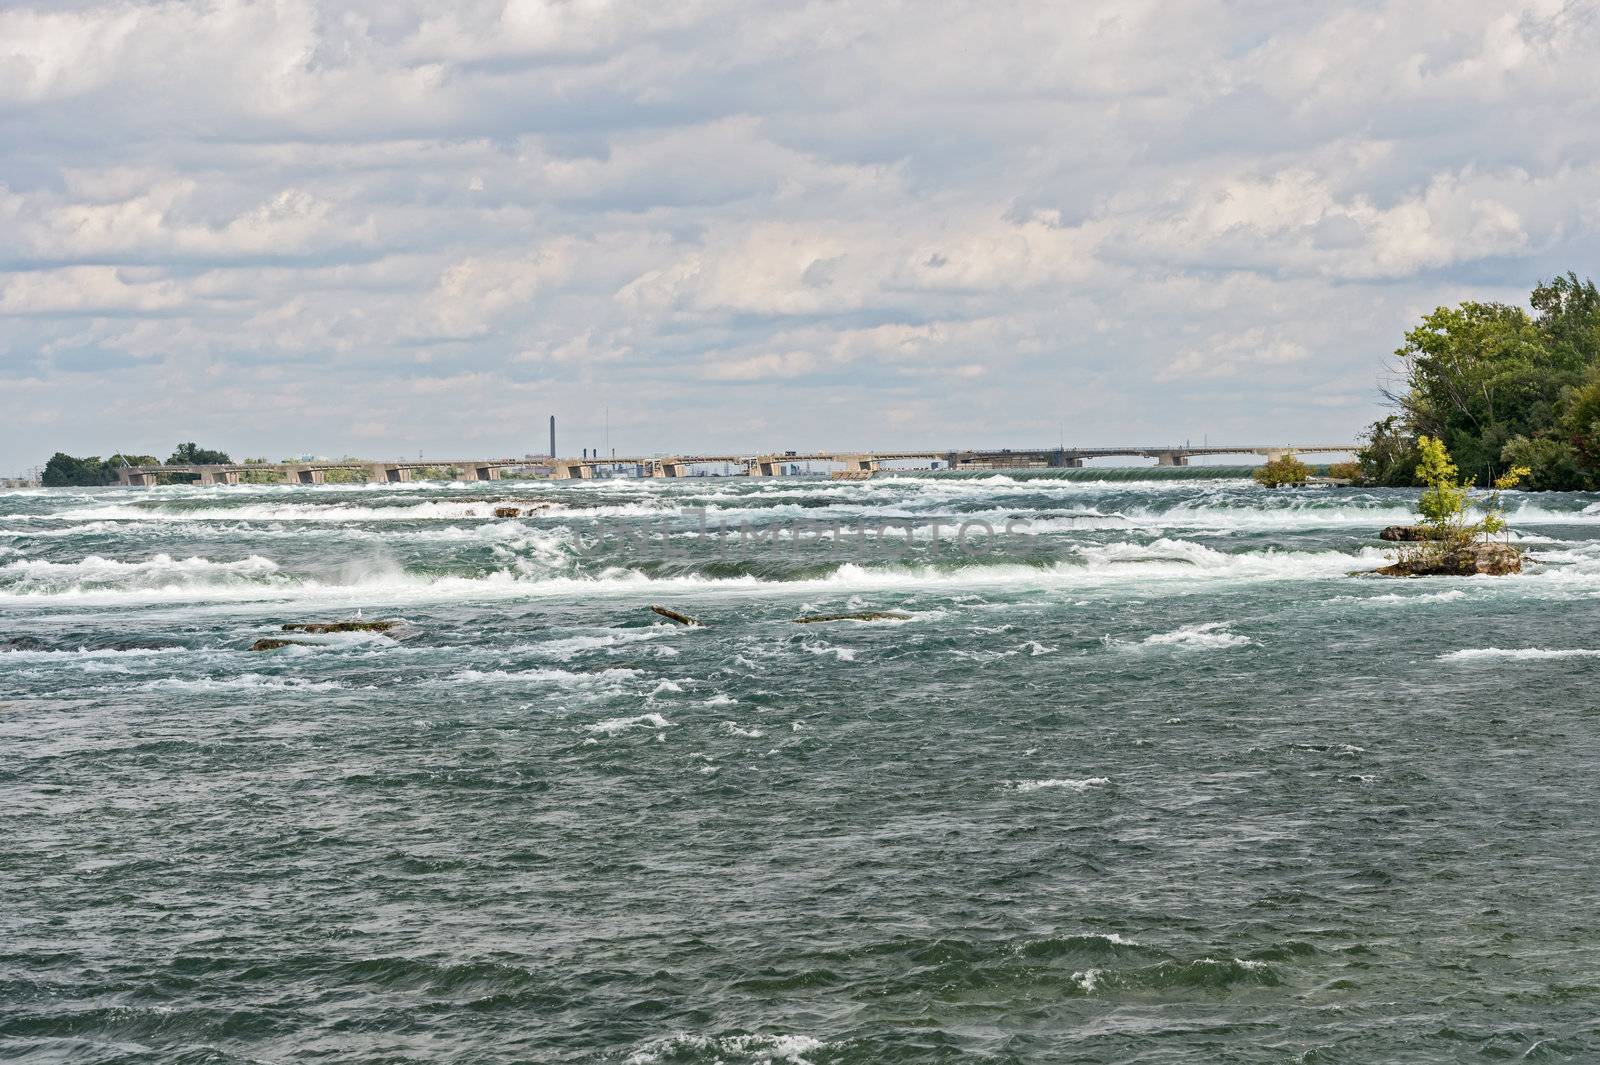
[(552, 436)]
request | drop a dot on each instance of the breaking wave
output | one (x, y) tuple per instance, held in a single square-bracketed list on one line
[(1064, 783), (546, 564), (37, 577), (1210, 636), (1520, 654)]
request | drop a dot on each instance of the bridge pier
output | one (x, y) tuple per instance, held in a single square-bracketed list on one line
[(668, 468), (480, 473), (135, 479), (1172, 458), (572, 471), (763, 468), (311, 476), (1064, 460)]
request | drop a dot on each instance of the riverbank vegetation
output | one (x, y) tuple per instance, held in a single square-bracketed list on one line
[(1284, 471), (69, 471), (1499, 387)]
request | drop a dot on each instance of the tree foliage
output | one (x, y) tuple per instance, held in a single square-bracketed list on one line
[(192, 454), (1444, 501), (65, 471), (1501, 387), (1390, 458), (1278, 472)]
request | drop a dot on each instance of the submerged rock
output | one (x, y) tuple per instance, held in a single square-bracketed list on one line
[(865, 615), (268, 644), (1493, 560), (340, 626), (1407, 534), (673, 615), (508, 512)]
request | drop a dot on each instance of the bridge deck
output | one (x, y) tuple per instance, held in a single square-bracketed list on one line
[(989, 457)]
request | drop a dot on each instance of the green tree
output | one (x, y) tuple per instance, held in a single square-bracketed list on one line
[(1443, 503), (1390, 458), (1547, 465), (1494, 513), (1478, 375), (65, 471), (1568, 314), (192, 454), (1278, 472)]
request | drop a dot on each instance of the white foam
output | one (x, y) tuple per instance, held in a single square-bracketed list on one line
[(1211, 636), (615, 725), (244, 680), (94, 574), (1390, 598), (1523, 654), (541, 676), (92, 653), (569, 647), (729, 1049), (1063, 782), (179, 510), (381, 579)]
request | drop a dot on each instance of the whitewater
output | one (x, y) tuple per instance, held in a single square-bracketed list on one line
[(1150, 769)]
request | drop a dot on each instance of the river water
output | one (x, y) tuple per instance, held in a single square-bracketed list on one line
[(1146, 775)]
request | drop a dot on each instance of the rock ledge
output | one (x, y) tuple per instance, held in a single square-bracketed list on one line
[(1491, 560)]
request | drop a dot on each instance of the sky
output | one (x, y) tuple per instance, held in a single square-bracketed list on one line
[(387, 228)]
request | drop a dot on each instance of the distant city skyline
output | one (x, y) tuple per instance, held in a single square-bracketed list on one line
[(374, 229)]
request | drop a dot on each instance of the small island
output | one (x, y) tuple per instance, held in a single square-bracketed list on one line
[(1448, 543)]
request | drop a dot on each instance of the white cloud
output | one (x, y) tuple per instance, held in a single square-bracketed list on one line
[(986, 221), (1230, 355), (85, 289)]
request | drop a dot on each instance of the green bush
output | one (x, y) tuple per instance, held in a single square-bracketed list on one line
[(1552, 464), (1280, 472)]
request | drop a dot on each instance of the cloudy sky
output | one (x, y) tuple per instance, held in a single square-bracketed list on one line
[(387, 227)]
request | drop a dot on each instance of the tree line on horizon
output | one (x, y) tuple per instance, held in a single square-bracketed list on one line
[(1502, 388), (67, 471)]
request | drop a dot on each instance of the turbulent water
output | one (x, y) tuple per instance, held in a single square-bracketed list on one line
[(1145, 776)]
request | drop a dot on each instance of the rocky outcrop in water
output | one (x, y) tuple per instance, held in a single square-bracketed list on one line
[(865, 615), (508, 512), (340, 626), (673, 615), (1465, 560), (268, 644), (1408, 534)]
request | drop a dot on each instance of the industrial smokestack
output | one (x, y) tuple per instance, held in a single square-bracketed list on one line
[(552, 436)]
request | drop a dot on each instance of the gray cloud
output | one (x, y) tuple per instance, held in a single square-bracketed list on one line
[(380, 227)]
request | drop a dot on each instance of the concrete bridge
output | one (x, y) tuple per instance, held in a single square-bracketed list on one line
[(854, 463)]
